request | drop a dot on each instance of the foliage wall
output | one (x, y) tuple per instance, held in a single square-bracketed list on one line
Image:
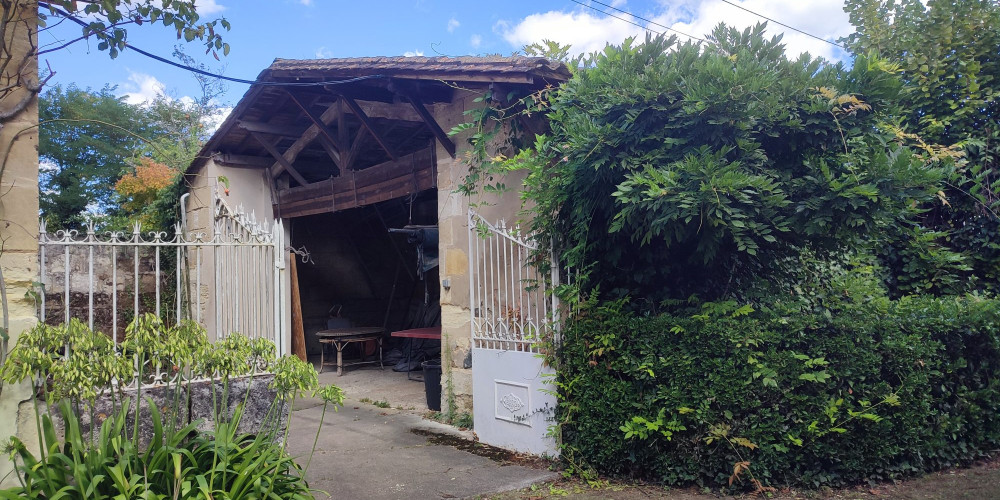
[(947, 56), (846, 388), (772, 295), (109, 161), (675, 169)]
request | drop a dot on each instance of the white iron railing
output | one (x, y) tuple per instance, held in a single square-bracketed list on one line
[(109, 277), (510, 304)]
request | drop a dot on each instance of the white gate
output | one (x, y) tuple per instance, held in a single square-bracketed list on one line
[(513, 394), (107, 278)]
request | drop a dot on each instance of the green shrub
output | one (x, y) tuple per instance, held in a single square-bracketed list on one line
[(177, 464), (70, 367), (826, 386), (674, 169)]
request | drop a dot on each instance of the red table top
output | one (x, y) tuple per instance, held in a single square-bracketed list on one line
[(432, 332)]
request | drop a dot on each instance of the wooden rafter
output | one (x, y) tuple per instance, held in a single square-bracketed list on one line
[(394, 112), (280, 158), (360, 113), (263, 162), (343, 136), (271, 128), (332, 152), (355, 148), (302, 142), (432, 124), (246, 141), (325, 132), (231, 160)]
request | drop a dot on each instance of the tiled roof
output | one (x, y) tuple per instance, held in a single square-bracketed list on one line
[(431, 66)]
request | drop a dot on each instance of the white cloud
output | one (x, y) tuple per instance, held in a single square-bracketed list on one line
[(587, 30), (307, 3), (214, 120), (413, 53), (323, 53), (142, 88), (475, 41), (452, 24), (823, 18), (46, 166), (207, 7), (584, 31)]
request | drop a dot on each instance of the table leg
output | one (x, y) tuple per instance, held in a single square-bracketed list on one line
[(340, 359), (322, 358)]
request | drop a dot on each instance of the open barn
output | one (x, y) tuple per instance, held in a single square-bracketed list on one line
[(355, 160)]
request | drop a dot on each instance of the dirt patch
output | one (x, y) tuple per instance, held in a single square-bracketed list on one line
[(55, 313), (498, 455), (980, 481)]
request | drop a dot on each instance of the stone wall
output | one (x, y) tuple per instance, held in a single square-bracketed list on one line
[(18, 203), (199, 401), (453, 209), (111, 282)]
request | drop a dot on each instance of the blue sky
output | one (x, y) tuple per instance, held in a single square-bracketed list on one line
[(265, 29)]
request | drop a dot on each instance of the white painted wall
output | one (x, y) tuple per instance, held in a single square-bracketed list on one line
[(247, 189), (513, 409)]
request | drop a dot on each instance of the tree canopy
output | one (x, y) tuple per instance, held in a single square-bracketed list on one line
[(105, 159), (947, 52)]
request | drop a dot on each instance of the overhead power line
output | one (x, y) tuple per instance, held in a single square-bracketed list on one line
[(200, 71), (633, 23), (654, 23), (248, 82), (779, 23), (647, 21)]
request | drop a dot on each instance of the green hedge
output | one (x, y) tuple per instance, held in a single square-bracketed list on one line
[(814, 392)]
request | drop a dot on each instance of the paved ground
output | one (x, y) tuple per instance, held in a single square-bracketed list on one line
[(369, 382), (368, 452)]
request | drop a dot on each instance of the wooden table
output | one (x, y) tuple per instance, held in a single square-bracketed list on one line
[(341, 337), (431, 333)]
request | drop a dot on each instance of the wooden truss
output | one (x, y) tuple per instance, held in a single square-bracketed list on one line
[(347, 185)]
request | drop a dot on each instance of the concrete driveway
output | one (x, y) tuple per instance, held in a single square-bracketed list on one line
[(366, 452)]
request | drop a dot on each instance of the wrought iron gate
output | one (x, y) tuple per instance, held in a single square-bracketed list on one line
[(228, 282), (512, 324)]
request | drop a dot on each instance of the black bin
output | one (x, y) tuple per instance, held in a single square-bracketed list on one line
[(432, 383)]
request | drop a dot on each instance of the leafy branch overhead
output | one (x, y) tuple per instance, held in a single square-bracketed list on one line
[(108, 21)]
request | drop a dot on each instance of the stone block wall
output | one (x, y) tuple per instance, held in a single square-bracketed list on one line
[(453, 223), (18, 202)]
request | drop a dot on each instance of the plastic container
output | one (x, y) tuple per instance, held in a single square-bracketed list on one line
[(432, 383)]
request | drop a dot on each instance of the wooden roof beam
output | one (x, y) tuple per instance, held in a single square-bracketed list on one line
[(324, 131), (351, 103), (332, 152), (271, 128), (409, 174), (355, 148), (307, 137), (280, 158), (432, 124), (241, 161)]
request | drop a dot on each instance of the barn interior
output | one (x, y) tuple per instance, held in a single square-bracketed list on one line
[(364, 268)]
